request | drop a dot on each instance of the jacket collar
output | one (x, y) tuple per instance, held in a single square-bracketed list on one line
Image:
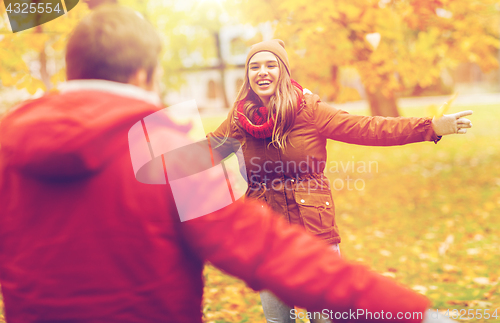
[(122, 89)]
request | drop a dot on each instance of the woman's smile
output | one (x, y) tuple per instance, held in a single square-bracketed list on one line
[(263, 74)]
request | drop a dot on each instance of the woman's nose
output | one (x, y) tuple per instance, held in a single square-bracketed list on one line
[(263, 71)]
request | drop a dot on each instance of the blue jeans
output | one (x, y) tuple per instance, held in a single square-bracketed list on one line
[(278, 312)]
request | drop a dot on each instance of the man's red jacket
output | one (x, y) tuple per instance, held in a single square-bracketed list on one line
[(82, 240)]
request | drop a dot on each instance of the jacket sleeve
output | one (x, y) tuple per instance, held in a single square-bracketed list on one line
[(339, 125), (249, 241)]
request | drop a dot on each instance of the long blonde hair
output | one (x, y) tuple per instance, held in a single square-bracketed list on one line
[(283, 104)]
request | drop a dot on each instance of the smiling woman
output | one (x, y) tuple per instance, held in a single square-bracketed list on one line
[(263, 75), (279, 123), (268, 84)]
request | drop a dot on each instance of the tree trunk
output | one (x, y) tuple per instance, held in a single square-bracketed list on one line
[(334, 72), (222, 69), (42, 58), (380, 105), (43, 70)]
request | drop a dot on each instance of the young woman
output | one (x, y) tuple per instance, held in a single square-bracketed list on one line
[(283, 132)]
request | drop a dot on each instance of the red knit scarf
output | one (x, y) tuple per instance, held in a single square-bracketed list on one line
[(259, 126)]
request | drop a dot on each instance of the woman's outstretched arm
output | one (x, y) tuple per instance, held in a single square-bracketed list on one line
[(219, 139), (339, 125)]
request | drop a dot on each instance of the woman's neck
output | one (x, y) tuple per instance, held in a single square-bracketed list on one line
[(265, 101)]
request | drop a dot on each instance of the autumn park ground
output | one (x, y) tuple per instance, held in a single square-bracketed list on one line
[(427, 215)]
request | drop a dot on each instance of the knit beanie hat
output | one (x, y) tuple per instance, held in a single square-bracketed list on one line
[(275, 46)]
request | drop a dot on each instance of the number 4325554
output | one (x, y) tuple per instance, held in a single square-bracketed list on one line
[(33, 8), (471, 314)]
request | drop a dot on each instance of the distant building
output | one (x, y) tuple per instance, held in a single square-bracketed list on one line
[(210, 84)]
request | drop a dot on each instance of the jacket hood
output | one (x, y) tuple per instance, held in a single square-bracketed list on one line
[(71, 134)]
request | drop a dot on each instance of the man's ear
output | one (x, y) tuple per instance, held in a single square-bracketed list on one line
[(140, 78)]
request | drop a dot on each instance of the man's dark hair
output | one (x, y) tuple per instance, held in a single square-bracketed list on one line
[(112, 43)]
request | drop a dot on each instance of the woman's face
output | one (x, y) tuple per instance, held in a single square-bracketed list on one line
[(263, 74)]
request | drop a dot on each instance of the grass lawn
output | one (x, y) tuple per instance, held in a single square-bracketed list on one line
[(425, 214)]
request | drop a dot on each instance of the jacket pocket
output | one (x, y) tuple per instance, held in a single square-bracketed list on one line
[(256, 192), (316, 210)]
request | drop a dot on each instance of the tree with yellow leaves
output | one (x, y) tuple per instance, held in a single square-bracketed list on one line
[(186, 27), (393, 45), (25, 55)]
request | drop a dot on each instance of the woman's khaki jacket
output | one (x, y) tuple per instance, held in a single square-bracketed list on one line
[(292, 181)]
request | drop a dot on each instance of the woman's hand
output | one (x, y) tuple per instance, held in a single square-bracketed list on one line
[(451, 123)]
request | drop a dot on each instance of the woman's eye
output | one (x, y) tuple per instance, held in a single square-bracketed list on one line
[(254, 68), (272, 66)]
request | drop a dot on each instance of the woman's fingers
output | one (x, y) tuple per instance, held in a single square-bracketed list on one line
[(452, 123), (462, 114), (464, 123)]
